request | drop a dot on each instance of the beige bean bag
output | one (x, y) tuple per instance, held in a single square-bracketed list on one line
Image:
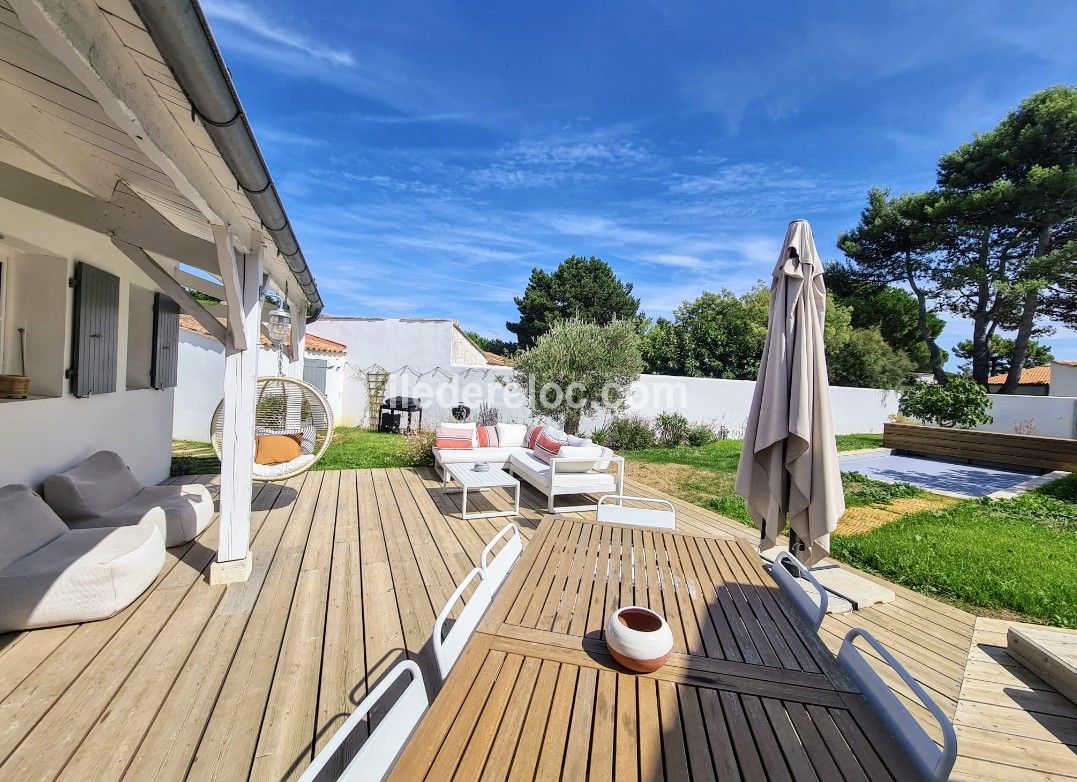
[(103, 492), (52, 575)]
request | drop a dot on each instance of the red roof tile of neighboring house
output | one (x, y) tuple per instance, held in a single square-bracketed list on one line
[(314, 344), (1033, 376)]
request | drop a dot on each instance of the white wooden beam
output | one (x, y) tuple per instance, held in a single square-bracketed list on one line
[(163, 280), (39, 135), (237, 445), (200, 284), (229, 271), (78, 35)]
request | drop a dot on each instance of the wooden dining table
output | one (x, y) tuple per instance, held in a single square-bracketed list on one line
[(750, 692)]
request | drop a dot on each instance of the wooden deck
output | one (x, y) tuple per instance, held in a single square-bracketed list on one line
[(350, 569)]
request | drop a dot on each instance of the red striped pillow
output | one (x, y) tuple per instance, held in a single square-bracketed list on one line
[(488, 437), (548, 445), (452, 439), (533, 432)]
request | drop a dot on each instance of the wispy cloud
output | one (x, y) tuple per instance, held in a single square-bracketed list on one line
[(254, 22)]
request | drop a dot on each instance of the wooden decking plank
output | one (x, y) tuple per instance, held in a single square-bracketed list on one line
[(70, 716), (173, 734), (108, 747), (459, 557), (231, 735), (286, 741), (343, 653)]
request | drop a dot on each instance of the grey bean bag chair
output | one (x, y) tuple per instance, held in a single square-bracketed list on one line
[(53, 575), (103, 492)]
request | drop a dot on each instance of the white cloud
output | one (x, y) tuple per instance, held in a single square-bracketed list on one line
[(254, 22)]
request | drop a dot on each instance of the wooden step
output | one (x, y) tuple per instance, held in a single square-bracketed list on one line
[(1050, 654)]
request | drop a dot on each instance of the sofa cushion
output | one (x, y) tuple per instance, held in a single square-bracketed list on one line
[(537, 473), (487, 455), (448, 439), (548, 444), (179, 512), (511, 435), (97, 485), (468, 428), (533, 432), (26, 523), (593, 452), (84, 574), (533, 470), (487, 436)]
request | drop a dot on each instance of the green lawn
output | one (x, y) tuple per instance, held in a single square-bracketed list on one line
[(1004, 556)]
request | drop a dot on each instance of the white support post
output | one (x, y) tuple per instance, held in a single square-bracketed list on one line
[(298, 342), (237, 447)]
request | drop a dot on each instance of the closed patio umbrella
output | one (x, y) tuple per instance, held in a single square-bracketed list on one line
[(789, 463)]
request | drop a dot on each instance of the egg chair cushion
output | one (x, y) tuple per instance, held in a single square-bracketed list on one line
[(272, 472), (276, 449)]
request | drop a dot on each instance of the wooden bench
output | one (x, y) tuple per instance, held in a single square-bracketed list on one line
[(1016, 450), (1050, 654)]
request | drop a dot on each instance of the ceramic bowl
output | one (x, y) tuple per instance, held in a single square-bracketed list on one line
[(480, 467), (639, 639)]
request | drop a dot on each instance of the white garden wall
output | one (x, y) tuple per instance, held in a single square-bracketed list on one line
[(201, 382), (1047, 416), (720, 402)]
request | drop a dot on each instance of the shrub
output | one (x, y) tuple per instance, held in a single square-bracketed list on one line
[(631, 433), (671, 429), (419, 447), (601, 436), (702, 434), (487, 416), (962, 402)]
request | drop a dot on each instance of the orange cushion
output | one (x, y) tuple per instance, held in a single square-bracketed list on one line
[(275, 449)]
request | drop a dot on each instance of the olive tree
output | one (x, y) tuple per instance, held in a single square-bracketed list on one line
[(578, 368)]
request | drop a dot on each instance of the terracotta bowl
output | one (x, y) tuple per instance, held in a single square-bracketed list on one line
[(639, 639)]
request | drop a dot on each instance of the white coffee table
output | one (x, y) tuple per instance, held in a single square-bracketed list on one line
[(480, 480)]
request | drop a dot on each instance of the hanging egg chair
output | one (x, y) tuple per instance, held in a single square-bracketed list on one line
[(290, 408)]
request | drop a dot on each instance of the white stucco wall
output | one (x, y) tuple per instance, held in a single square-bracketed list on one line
[(1063, 380), (1051, 416), (43, 436), (201, 382), (464, 351)]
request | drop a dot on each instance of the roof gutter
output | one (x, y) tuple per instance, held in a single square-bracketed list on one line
[(182, 35)]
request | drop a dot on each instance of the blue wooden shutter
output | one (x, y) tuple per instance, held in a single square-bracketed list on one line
[(165, 363), (96, 331), (314, 372)]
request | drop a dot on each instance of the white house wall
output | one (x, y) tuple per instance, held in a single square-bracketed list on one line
[(201, 382), (1063, 380), (47, 435), (1047, 416)]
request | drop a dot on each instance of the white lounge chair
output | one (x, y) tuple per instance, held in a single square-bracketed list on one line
[(381, 748), (664, 516), (933, 763), (496, 569), (812, 611), (103, 492), (448, 649)]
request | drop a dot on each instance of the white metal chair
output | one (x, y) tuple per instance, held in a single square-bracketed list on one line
[(813, 612), (664, 516), (496, 570), (448, 649), (381, 748), (933, 763)]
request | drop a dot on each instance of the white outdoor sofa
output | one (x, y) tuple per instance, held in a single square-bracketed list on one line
[(103, 492), (575, 474), (53, 575)]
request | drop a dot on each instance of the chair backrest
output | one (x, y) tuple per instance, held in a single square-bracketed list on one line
[(661, 514), (933, 763), (496, 569), (813, 612), (447, 649), (381, 748)]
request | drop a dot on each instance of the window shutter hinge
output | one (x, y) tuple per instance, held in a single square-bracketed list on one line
[(68, 374), (72, 282)]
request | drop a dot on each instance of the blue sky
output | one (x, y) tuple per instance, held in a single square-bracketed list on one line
[(431, 153)]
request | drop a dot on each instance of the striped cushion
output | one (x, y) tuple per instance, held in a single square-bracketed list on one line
[(452, 439), (548, 444), (533, 432), (488, 437)]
